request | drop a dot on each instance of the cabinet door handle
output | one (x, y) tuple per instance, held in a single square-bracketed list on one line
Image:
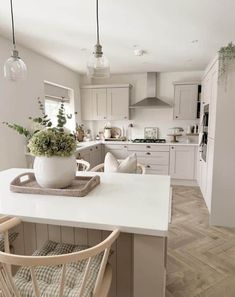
[(91, 150), (176, 117), (148, 166), (104, 117), (148, 153), (125, 117), (125, 146), (172, 147), (148, 146)]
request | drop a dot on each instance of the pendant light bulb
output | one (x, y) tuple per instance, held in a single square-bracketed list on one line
[(98, 64), (14, 67)]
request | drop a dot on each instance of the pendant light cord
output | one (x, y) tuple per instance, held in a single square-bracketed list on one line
[(97, 22), (12, 25)]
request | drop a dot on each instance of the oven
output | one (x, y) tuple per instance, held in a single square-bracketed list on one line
[(204, 132)]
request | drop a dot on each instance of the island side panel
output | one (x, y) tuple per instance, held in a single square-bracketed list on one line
[(149, 266), (32, 236)]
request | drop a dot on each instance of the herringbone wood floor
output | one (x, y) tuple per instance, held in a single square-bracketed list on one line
[(201, 259)]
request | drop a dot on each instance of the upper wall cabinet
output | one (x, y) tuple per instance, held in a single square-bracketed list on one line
[(99, 104), (186, 101), (109, 102)]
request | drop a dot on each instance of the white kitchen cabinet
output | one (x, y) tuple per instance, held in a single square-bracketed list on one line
[(203, 177), (93, 155), (84, 155), (118, 150), (87, 104), (213, 101), (185, 105), (99, 99), (182, 162), (118, 103), (206, 89), (105, 102), (155, 158), (209, 173)]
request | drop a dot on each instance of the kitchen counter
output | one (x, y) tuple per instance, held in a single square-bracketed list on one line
[(88, 144)]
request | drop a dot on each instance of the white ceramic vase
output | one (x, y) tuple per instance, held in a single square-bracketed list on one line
[(55, 172)]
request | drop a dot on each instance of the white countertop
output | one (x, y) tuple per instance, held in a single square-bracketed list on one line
[(132, 202), (82, 145)]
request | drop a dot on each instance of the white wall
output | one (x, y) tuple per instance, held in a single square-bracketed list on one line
[(18, 99), (162, 118)]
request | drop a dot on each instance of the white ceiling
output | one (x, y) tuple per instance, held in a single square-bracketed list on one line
[(64, 30)]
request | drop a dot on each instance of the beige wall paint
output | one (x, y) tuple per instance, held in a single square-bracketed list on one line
[(18, 99), (162, 118)]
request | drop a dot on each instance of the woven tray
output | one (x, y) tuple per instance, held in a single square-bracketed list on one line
[(81, 186)]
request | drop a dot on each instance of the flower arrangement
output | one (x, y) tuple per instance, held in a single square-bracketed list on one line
[(46, 140), (52, 142)]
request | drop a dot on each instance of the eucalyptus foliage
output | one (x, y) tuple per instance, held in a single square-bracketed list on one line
[(46, 140), (52, 142), (42, 121)]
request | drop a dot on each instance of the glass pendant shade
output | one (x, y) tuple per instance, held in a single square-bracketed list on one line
[(15, 68), (98, 67)]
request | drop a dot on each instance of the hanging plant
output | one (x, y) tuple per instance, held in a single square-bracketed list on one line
[(226, 55)]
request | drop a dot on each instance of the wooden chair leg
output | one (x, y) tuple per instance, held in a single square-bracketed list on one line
[(106, 283)]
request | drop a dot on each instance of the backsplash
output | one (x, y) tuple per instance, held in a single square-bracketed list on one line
[(141, 118)]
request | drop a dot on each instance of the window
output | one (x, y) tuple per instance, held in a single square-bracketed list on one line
[(53, 95)]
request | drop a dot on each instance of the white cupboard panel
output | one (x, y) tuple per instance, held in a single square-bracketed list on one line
[(213, 101), (160, 158), (185, 107), (157, 169), (99, 99), (210, 161), (87, 105), (118, 103), (119, 151), (182, 162)]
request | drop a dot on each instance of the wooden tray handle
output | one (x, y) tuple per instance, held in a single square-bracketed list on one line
[(92, 182), (23, 178)]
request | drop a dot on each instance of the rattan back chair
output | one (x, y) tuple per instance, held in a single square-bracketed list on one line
[(10, 287)]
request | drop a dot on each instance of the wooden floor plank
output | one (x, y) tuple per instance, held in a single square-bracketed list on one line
[(201, 258)]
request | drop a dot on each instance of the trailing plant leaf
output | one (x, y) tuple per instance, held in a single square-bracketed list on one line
[(226, 54)]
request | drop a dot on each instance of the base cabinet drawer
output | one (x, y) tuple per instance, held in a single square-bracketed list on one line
[(148, 147), (119, 151), (157, 169), (158, 158)]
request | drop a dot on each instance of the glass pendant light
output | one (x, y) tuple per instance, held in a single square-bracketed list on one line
[(98, 65), (14, 67)]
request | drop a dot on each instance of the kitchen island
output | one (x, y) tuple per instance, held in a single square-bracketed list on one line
[(139, 205)]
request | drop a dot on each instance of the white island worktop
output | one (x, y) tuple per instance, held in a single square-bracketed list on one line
[(139, 205), (134, 203)]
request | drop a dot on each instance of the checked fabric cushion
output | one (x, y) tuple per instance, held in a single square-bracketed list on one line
[(48, 277)]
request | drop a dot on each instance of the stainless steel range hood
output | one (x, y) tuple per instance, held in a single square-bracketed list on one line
[(151, 100)]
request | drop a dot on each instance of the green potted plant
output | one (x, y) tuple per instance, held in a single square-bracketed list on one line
[(53, 148)]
